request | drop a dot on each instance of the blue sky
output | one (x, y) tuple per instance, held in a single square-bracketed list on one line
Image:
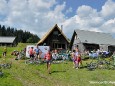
[(74, 4), (39, 16)]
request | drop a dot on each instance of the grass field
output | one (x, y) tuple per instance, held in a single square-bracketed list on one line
[(63, 74)]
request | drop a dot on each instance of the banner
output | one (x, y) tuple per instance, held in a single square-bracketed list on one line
[(43, 50)]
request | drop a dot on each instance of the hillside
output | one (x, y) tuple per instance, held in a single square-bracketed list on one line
[(62, 74)]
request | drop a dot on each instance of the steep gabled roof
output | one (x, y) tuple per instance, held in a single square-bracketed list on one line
[(48, 33), (7, 39), (95, 37)]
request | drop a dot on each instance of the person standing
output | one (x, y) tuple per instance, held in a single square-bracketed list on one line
[(74, 58), (37, 52), (55, 54), (4, 51), (31, 53), (48, 58), (78, 60)]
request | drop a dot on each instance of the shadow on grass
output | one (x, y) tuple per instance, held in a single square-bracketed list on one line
[(61, 71), (83, 67)]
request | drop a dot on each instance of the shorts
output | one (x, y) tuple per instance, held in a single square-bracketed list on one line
[(79, 59), (32, 56), (48, 61)]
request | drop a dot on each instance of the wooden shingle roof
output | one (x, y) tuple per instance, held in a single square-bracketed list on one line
[(48, 33)]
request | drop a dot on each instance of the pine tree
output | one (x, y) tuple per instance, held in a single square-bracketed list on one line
[(21, 36)]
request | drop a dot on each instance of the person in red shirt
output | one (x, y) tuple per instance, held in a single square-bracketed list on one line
[(48, 57), (31, 53)]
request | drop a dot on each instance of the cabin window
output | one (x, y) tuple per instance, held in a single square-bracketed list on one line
[(58, 45), (55, 32)]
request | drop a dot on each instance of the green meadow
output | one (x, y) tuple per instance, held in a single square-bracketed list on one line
[(63, 74)]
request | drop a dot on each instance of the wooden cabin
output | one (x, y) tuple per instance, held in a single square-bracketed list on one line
[(55, 38), (7, 41), (89, 40)]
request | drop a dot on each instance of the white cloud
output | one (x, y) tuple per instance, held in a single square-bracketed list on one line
[(3, 7), (38, 16), (88, 18), (108, 10), (86, 11), (109, 26)]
